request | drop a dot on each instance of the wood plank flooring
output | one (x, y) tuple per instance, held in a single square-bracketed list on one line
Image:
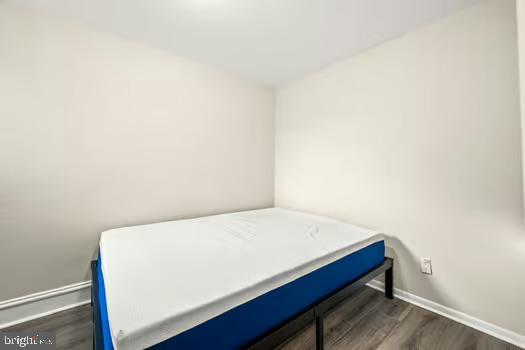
[(73, 328), (366, 321)]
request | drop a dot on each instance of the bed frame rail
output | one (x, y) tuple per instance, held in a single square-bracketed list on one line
[(318, 312), (98, 335)]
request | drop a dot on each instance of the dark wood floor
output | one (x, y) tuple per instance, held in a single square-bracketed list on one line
[(73, 328), (366, 321)]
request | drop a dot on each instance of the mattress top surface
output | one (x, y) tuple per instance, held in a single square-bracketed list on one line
[(163, 279)]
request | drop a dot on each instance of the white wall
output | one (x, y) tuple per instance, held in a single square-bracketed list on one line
[(420, 138), (98, 132), (520, 17)]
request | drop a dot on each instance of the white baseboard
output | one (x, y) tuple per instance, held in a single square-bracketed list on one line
[(473, 322), (30, 307)]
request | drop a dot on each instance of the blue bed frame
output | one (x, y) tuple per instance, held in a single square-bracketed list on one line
[(270, 319)]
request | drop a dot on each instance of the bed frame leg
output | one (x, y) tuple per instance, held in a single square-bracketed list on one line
[(389, 282), (319, 333)]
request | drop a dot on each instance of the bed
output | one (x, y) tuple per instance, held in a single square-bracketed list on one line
[(233, 281)]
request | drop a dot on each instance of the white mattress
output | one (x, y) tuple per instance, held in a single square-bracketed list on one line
[(163, 279)]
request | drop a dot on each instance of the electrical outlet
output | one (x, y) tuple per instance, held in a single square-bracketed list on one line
[(426, 265)]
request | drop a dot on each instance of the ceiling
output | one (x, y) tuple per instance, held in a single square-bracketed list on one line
[(270, 41)]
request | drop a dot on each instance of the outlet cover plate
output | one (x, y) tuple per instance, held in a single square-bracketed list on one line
[(426, 265)]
